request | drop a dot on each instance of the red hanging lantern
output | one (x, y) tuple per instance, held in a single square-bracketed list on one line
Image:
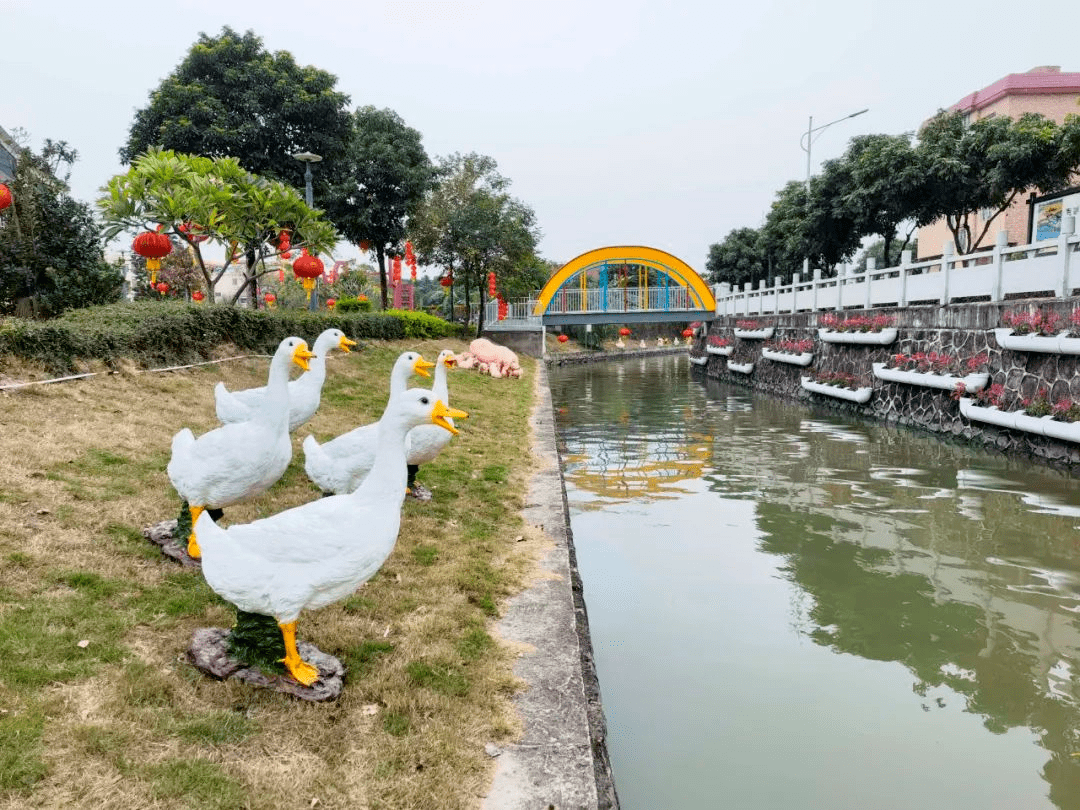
[(687, 332), (270, 299), (563, 338), (330, 303), (365, 245), (197, 296), (624, 332), (308, 268), (504, 309), (492, 292), (447, 280), (395, 270), (284, 243), (152, 245), (162, 287), (5, 197), (410, 257)]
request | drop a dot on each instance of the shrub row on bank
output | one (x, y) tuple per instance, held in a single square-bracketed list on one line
[(156, 333)]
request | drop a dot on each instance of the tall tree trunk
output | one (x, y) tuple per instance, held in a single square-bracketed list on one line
[(468, 302), (480, 310), (885, 257), (249, 275), (380, 258)]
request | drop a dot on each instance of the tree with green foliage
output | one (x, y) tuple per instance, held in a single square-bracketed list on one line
[(51, 254), (230, 97), (385, 177), (471, 226), (984, 166), (884, 189), (197, 197), (737, 260), (782, 237)]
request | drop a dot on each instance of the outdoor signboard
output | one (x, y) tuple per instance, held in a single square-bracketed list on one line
[(1048, 213)]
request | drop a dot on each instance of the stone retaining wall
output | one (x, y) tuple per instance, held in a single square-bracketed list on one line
[(958, 330)]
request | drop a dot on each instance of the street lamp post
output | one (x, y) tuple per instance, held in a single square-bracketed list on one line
[(809, 141), (308, 158)]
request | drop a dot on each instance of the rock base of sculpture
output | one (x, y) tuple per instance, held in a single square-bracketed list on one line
[(209, 653), (164, 536), (420, 492)]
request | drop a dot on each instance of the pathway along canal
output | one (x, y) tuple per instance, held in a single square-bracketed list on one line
[(794, 609)]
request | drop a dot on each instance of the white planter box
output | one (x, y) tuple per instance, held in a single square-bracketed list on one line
[(740, 368), (1053, 344), (1018, 420), (722, 350), (882, 338), (755, 334), (859, 395), (991, 415), (804, 359), (1065, 431), (946, 382), (699, 361)]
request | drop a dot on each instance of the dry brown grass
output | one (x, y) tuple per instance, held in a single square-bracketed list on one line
[(125, 722)]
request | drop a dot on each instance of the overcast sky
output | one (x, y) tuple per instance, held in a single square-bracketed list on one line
[(653, 122)]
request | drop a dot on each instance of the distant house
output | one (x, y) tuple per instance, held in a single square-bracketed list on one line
[(1044, 90), (9, 151)]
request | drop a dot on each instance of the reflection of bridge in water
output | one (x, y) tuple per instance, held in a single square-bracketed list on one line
[(625, 284)]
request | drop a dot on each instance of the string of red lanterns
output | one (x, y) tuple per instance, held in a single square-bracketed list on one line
[(6, 198), (193, 232)]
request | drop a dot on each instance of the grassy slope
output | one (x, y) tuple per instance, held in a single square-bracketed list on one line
[(123, 721)]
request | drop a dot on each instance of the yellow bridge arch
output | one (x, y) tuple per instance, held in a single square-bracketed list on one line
[(672, 266)]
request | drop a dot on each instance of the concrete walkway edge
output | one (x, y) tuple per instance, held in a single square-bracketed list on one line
[(561, 761)]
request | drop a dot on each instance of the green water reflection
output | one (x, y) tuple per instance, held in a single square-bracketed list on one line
[(792, 609)]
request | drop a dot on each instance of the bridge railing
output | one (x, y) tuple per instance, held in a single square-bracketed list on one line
[(592, 300), (1048, 266)]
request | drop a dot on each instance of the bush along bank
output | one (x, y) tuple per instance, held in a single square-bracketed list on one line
[(155, 333), (955, 343)]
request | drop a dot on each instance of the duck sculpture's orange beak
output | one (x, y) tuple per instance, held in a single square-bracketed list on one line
[(301, 355), (421, 366), (345, 343), (441, 416), (449, 361)]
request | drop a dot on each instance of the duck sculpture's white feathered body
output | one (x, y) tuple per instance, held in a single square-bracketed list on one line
[(425, 442), (305, 392), (239, 460), (320, 552), (341, 464)]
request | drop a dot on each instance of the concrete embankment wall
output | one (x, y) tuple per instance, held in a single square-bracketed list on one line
[(964, 331), (562, 759)]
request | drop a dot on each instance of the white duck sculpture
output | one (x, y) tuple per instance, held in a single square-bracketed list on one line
[(340, 464), (425, 442), (318, 553), (242, 459), (305, 391)]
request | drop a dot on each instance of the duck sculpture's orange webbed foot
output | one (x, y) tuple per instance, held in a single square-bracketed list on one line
[(300, 669), (192, 544)]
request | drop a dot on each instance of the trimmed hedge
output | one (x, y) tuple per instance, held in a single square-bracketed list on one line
[(156, 333)]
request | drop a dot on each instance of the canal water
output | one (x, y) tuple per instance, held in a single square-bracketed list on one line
[(794, 609)]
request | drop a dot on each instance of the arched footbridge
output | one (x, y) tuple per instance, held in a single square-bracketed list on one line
[(621, 284)]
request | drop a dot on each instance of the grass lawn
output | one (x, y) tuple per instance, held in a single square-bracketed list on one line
[(98, 706)]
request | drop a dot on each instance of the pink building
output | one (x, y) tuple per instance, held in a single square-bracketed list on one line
[(1045, 90)]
